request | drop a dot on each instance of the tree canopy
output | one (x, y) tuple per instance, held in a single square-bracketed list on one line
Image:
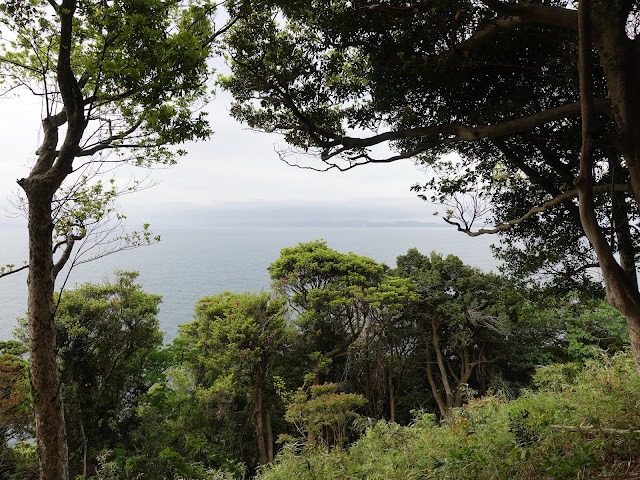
[(108, 342), (232, 344), (119, 82), (537, 98)]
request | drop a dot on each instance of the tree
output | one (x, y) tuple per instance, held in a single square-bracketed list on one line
[(233, 344), (325, 414), (108, 342), (16, 408), (344, 301), (515, 78), (460, 314), (124, 77)]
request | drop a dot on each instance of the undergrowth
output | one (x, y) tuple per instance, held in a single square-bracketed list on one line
[(581, 422)]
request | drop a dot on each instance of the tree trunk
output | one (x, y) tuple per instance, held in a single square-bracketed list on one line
[(85, 451), (368, 388), (269, 431), (618, 55), (392, 396), (262, 416), (440, 359), (621, 226), (49, 414), (466, 369), (258, 413), (437, 395)]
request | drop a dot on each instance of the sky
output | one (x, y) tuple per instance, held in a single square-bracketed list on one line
[(235, 178)]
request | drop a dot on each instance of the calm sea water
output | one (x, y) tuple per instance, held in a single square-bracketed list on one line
[(187, 265)]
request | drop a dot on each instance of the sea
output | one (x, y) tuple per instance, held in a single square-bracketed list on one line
[(187, 265)]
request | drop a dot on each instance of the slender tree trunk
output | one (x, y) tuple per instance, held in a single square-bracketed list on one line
[(380, 380), (437, 395), (85, 451), (258, 414), (620, 223), (440, 360), (49, 414), (268, 431), (368, 388), (392, 396), (466, 369)]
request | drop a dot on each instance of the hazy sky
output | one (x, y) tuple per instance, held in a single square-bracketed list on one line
[(234, 178)]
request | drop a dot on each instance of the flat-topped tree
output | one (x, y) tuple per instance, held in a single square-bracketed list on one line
[(545, 89), (344, 301), (126, 78)]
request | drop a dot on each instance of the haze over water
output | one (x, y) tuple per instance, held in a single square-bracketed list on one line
[(189, 264)]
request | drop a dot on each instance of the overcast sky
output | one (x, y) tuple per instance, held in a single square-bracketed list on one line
[(234, 178)]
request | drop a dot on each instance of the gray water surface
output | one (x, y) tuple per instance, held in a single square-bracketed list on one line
[(187, 265)]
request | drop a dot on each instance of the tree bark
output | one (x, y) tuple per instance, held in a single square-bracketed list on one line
[(269, 432), (258, 413), (621, 226), (48, 410), (392, 393), (437, 394), (52, 166), (621, 71), (262, 416)]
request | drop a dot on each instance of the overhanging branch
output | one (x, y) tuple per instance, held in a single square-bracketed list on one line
[(530, 13), (451, 133)]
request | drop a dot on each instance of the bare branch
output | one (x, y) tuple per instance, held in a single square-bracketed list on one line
[(589, 428), (108, 142), (598, 189), (69, 243)]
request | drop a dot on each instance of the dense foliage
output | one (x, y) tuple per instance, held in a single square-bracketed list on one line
[(580, 422), (341, 346), (535, 99), (338, 78), (108, 349)]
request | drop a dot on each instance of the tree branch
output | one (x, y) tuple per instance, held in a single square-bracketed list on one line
[(589, 428), (536, 13), (441, 135), (107, 142), (11, 272), (598, 189), (458, 133), (62, 261)]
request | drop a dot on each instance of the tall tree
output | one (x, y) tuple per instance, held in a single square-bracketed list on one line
[(516, 78), (123, 77), (460, 314), (108, 340), (233, 344), (344, 301)]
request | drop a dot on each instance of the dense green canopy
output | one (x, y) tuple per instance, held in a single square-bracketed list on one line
[(539, 100)]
